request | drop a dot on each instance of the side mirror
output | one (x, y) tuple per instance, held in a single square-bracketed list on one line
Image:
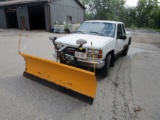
[(53, 39), (123, 37)]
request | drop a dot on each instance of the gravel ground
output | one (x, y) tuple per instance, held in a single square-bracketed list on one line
[(130, 92)]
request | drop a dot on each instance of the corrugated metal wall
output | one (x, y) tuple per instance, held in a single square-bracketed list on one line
[(3, 22), (23, 12), (60, 9), (47, 17)]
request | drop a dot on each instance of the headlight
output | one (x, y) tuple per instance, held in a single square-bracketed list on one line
[(89, 51), (97, 53), (94, 51)]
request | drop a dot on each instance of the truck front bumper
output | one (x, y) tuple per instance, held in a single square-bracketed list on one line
[(85, 63)]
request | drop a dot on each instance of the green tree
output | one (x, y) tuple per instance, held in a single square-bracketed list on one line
[(130, 14), (85, 2), (156, 17), (146, 10), (3, 0), (107, 9), (145, 14)]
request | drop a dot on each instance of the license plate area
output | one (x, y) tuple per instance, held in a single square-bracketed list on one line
[(80, 55)]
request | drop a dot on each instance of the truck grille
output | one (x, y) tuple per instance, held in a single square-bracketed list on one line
[(71, 50)]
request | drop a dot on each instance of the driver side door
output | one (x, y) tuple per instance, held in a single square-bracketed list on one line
[(119, 42)]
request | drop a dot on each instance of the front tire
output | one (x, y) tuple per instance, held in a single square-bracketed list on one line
[(105, 69), (125, 51)]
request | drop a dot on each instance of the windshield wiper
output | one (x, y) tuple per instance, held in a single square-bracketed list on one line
[(80, 32), (97, 33)]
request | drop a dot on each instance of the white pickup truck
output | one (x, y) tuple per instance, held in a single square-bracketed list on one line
[(95, 44)]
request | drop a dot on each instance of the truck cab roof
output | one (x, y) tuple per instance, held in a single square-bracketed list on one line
[(107, 21)]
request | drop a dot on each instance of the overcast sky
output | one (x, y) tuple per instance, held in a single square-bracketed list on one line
[(131, 2), (134, 2)]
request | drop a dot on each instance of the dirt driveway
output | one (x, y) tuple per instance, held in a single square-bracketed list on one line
[(130, 92)]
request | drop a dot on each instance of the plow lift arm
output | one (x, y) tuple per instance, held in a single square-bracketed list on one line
[(73, 81)]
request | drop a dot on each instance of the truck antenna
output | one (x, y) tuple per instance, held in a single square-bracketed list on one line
[(20, 36), (93, 58)]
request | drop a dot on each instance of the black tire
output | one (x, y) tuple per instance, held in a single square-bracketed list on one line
[(62, 61), (105, 69), (125, 51)]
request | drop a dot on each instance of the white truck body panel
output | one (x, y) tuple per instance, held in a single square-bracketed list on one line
[(97, 41)]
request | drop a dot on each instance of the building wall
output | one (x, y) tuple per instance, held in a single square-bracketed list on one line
[(22, 11), (47, 17), (60, 9), (3, 22), (56, 10)]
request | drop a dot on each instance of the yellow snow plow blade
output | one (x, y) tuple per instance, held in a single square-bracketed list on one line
[(74, 80)]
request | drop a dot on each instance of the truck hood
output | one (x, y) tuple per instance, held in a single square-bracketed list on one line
[(97, 41)]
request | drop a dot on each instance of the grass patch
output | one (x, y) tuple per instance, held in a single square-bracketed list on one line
[(157, 30), (133, 27), (151, 29)]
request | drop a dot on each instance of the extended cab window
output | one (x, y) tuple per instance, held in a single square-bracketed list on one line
[(124, 31), (119, 30)]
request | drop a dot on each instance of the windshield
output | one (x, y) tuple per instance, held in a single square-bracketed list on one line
[(98, 28)]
